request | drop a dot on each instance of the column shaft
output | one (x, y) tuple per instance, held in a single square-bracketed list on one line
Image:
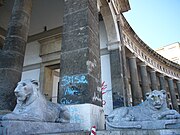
[(153, 80), (80, 54), (162, 82), (144, 80), (135, 88), (127, 92), (12, 54), (178, 87), (163, 86), (172, 94), (117, 78)]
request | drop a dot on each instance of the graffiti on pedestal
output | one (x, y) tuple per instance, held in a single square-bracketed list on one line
[(76, 115), (73, 88)]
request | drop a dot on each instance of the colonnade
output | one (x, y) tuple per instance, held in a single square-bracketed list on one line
[(151, 80)]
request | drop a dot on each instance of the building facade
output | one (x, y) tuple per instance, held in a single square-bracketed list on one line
[(171, 52), (84, 54)]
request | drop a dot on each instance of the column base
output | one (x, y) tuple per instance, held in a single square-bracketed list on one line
[(87, 115)]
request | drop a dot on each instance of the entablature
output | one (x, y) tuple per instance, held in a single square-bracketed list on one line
[(120, 5)]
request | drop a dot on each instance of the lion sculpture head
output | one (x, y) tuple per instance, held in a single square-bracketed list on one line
[(27, 91), (156, 99)]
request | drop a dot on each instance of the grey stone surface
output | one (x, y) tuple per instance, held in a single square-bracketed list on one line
[(153, 79), (144, 80), (140, 132), (32, 106), (162, 82), (80, 52), (151, 114), (135, 87), (117, 78), (173, 94), (178, 87), (12, 53), (34, 128), (7, 97)]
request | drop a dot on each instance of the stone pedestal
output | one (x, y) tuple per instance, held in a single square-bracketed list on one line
[(159, 127), (28, 128), (87, 115), (148, 125), (140, 132)]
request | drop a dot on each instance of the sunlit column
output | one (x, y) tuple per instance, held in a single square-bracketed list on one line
[(135, 88)]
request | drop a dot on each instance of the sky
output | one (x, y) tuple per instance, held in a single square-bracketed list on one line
[(156, 22)]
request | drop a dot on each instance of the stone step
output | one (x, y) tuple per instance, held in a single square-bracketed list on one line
[(74, 133), (126, 132)]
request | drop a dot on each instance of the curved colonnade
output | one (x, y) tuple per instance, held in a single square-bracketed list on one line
[(142, 68), (155, 71)]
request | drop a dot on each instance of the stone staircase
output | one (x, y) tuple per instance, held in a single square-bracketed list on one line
[(128, 132)]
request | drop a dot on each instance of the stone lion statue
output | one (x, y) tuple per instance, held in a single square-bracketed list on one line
[(32, 106), (153, 108)]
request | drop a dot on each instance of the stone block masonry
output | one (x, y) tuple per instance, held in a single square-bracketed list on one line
[(80, 54), (12, 53)]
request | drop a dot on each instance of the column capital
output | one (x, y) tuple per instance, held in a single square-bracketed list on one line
[(152, 70), (170, 79), (114, 45), (132, 57), (142, 64), (161, 75)]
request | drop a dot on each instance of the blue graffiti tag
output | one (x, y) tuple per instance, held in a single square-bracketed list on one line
[(68, 101), (73, 90), (66, 80)]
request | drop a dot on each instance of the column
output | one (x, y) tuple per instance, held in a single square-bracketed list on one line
[(117, 78), (127, 92), (80, 54), (178, 87), (135, 88), (173, 94), (163, 86), (12, 54), (153, 80), (162, 82), (144, 80)]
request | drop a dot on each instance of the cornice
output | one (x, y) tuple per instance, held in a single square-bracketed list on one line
[(120, 6), (125, 6)]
